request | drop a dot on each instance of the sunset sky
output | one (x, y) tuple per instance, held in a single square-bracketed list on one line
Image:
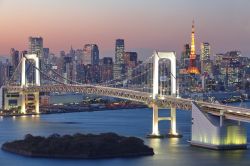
[(145, 25)]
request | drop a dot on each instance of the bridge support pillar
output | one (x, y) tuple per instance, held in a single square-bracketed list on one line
[(208, 131), (155, 125), (173, 133), (156, 58), (155, 120), (173, 121), (23, 103), (36, 98), (32, 99)]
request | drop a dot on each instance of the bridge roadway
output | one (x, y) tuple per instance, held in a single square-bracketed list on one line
[(229, 112)]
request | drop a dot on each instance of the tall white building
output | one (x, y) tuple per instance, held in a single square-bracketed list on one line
[(205, 51)]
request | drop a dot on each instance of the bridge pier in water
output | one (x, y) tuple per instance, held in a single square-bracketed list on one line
[(173, 132), (30, 99), (213, 132), (155, 125), (20, 100), (23, 103)]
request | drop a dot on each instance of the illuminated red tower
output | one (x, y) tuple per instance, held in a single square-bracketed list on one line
[(192, 69)]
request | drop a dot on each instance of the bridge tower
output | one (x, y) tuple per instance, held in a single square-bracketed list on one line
[(30, 98), (156, 58)]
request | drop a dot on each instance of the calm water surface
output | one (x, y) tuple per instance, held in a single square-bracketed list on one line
[(136, 122)]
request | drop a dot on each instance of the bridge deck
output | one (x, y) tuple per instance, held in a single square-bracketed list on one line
[(230, 112)]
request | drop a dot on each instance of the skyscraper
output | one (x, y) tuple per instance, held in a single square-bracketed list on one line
[(130, 62), (205, 51), (185, 56), (119, 51), (192, 69), (106, 69), (130, 59), (36, 46), (119, 59), (206, 63), (15, 59), (90, 54)]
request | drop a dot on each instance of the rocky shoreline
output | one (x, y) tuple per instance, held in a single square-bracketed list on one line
[(79, 146)]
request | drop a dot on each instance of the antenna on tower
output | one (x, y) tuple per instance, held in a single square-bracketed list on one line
[(193, 25)]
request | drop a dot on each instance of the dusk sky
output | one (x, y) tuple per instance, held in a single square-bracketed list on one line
[(145, 25)]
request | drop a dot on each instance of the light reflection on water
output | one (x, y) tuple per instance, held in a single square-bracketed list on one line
[(168, 152)]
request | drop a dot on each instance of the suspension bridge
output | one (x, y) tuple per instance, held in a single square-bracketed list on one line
[(213, 125)]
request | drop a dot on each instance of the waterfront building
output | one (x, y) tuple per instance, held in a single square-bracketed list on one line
[(44, 100)]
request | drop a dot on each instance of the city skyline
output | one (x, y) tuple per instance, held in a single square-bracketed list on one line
[(65, 23), (88, 82)]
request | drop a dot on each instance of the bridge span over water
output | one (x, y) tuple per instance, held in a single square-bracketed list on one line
[(163, 101), (213, 125)]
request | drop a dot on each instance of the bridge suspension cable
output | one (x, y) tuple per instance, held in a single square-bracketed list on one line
[(52, 79)]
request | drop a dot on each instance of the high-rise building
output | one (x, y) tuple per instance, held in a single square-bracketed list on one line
[(205, 51), (46, 53), (69, 69), (15, 59), (118, 67), (229, 69), (36, 46), (130, 59), (192, 69), (106, 69), (206, 63), (119, 51), (130, 62), (90, 54), (79, 56), (185, 56)]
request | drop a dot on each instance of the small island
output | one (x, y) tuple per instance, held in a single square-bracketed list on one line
[(79, 146)]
